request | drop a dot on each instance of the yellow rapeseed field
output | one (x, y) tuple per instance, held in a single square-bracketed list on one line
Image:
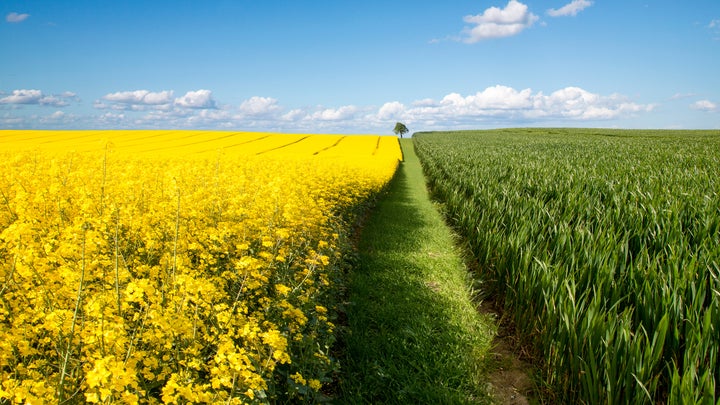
[(176, 266)]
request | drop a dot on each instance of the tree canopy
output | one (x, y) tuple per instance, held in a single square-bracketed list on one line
[(400, 129)]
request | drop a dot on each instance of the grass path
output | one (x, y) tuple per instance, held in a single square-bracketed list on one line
[(415, 334)]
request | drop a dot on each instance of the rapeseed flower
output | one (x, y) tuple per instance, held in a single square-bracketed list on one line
[(191, 273)]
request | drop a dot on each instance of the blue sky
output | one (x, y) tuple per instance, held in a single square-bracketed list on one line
[(359, 66)]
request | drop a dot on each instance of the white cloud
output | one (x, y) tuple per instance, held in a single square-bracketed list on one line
[(57, 115), (495, 105), (294, 115), (502, 103), (704, 105), (680, 96), (16, 17), (100, 105), (33, 96), (258, 106), (423, 102), (162, 97), (23, 97), (578, 104), (145, 100), (54, 101), (58, 119), (391, 110), (334, 114), (497, 23), (570, 9), (492, 98), (196, 99), (112, 120), (140, 97)]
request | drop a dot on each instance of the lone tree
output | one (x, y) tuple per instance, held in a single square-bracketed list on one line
[(400, 129)]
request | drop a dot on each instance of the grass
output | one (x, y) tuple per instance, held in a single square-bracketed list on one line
[(415, 335)]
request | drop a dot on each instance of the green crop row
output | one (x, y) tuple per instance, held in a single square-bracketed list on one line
[(603, 245)]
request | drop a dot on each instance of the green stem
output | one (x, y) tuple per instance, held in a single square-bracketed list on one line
[(78, 302)]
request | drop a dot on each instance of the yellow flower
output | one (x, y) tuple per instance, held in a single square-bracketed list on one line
[(250, 394), (298, 378), (100, 374), (315, 384), (282, 289), (172, 245)]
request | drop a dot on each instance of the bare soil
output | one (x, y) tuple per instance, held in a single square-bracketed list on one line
[(510, 381)]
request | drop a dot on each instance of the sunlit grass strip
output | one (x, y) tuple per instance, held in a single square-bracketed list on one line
[(149, 278), (415, 335), (605, 246)]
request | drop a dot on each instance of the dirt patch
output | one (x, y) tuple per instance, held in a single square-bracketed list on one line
[(510, 383), (510, 380)]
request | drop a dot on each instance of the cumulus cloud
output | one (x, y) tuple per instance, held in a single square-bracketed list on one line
[(23, 97), (494, 105), (490, 99), (502, 103), (704, 105), (570, 9), (334, 114), (295, 114), (33, 96), (142, 97), (259, 106), (196, 99), (112, 120), (578, 104), (144, 100), (391, 110), (16, 17), (495, 22), (54, 101)]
